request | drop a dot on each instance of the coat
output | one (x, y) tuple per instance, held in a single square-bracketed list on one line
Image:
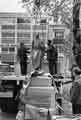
[(75, 91), (22, 54), (52, 53)]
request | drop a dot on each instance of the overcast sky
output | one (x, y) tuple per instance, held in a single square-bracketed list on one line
[(11, 6)]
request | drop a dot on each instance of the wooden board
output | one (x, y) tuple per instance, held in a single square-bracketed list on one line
[(41, 81), (12, 77), (40, 96), (69, 117)]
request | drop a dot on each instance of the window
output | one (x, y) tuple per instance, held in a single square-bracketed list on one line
[(59, 35), (7, 58), (8, 40), (24, 36), (24, 26), (8, 34), (43, 21), (11, 49), (39, 27), (23, 20), (5, 27), (4, 49), (8, 20), (8, 37)]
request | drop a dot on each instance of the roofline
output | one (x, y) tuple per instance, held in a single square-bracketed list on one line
[(13, 14)]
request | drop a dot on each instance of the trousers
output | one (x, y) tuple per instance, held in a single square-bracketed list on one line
[(52, 67), (23, 66)]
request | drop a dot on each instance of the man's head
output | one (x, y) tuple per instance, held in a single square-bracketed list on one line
[(76, 71), (21, 44), (49, 42), (37, 36)]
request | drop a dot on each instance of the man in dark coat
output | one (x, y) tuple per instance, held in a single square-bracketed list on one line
[(22, 57), (75, 91), (52, 58)]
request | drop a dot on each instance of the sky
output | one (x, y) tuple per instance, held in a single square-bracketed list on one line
[(11, 6)]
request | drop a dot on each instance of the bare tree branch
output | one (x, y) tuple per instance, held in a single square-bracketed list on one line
[(64, 8)]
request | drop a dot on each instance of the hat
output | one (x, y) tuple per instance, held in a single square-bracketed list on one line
[(49, 42)]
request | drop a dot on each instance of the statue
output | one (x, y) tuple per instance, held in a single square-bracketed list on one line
[(38, 49)]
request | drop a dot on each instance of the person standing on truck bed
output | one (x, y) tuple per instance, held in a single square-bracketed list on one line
[(22, 58)]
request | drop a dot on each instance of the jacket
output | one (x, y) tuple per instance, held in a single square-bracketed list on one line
[(52, 53), (22, 54)]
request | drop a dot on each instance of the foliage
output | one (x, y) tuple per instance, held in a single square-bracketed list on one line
[(51, 9)]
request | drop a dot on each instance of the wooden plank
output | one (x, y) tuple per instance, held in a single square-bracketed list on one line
[(40, 90), (69, 117), (40, 97), (12, 77), (41, 81)]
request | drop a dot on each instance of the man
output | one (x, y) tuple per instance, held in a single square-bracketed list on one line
[(22, 57), (52, 58), (75, 91)]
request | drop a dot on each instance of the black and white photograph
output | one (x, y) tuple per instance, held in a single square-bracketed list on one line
[(40, 59)]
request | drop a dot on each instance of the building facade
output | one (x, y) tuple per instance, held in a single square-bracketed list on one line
[(17, 27)]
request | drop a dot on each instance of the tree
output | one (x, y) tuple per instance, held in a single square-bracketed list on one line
[(52, 8), (69, 11), (37, 3), (77, 31)]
